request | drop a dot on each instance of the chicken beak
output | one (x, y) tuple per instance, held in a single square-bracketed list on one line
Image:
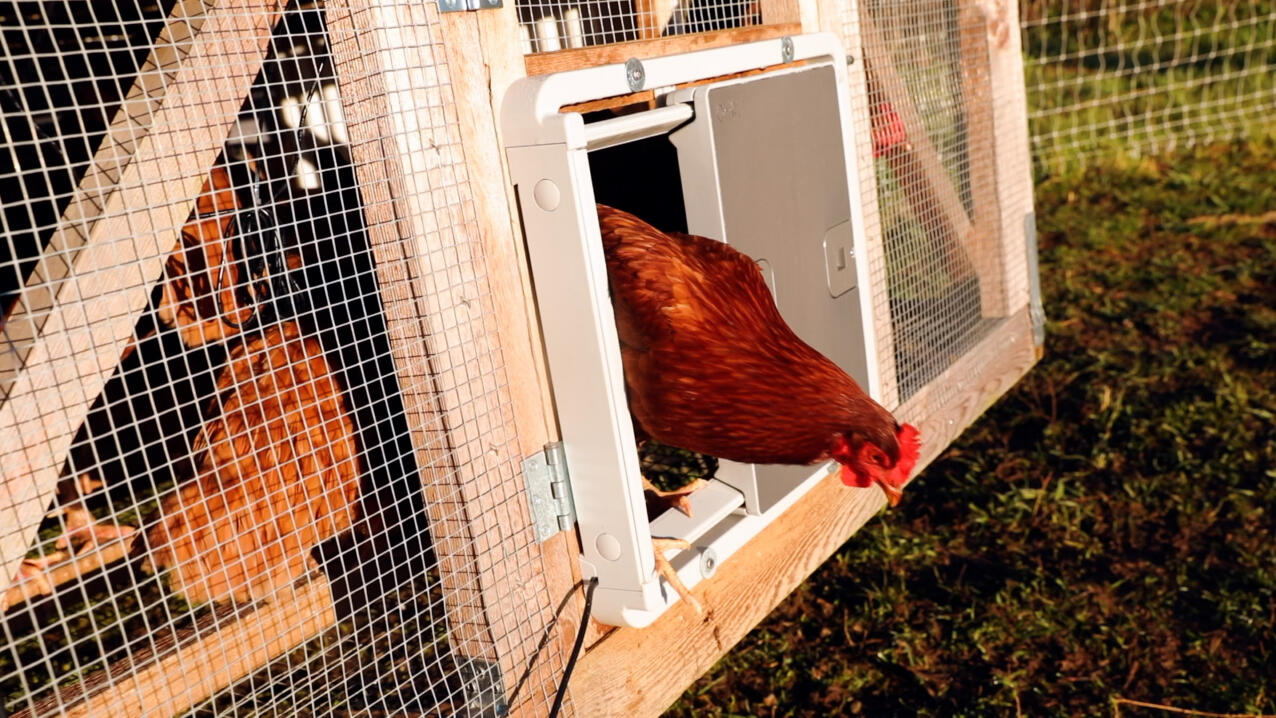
[(893, 495)]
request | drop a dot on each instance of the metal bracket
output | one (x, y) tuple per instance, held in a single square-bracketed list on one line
[(1036, 312), (484, 695), (549, 493), (462, 5)]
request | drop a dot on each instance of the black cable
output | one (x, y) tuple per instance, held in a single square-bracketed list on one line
[(549, 631), (580, 641)]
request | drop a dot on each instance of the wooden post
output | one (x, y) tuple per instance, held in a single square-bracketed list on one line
[(1012, 151), (170, 678), (982, 148), (76, 314), (418, 105)]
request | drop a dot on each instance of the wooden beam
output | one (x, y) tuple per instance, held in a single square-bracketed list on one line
[(520, 334), (172, 677), (418, 102), (630, 672), (76, 314), (1013, 158), (781, 12), (563, 60), (982, 147), (927, 187)]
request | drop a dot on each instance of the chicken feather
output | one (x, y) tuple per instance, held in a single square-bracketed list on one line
[(711, 366), (277, 472)]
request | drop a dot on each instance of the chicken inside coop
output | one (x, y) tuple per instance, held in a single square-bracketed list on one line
[(273, 451)]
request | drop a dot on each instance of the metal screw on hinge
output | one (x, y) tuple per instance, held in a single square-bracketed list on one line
[(786, 49), (634, 74), (850, 59), (708, 562)]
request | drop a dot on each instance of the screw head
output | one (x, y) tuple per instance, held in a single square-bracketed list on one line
[(708, 562), (786, 49), (635, 75)]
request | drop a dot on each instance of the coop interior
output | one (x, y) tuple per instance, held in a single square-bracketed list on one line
[(549, 25), (260, 357), (261, 410)]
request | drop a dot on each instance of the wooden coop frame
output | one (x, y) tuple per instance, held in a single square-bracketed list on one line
[(385, 51)]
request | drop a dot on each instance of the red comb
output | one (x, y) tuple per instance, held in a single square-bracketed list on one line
[(887, 129), (910, 445)]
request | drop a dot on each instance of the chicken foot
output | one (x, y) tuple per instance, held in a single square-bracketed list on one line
[(665, 569), (86, 533)]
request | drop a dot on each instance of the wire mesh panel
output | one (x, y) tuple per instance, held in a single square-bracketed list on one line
[(549, 25), (257, 447), (928, 121), (1146, 75)]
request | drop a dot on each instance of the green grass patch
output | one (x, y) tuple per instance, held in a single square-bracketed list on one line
[(1136, 78), (1107, 529)]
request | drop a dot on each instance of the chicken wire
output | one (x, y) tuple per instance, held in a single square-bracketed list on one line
[(1140, 76), (261, 342), (549, 25), (932, 180)]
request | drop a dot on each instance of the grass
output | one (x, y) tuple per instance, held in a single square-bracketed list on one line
[(1116, 78), (1108, 529)]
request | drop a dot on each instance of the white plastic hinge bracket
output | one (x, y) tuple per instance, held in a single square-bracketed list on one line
[(549, 493)]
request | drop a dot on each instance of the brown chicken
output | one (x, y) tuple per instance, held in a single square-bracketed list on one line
[(277, 472), (711, 366), (203, 296), (209, 292)]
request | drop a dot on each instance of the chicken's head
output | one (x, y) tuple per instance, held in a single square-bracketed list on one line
[(886, 462)]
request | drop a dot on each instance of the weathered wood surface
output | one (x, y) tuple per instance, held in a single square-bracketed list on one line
[(169, 679), (640, 672), (982, 148), (1013, 154), (428, 159), (76, 314)]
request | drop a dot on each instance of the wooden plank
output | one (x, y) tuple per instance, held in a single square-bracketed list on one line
[(477, 91), (927, 187), (1013, 159), (418, 102), (563, 60), (174, 678), (65, 338), (981, 152), (647, 97), (781, 12), (519, 332), (629, 673)]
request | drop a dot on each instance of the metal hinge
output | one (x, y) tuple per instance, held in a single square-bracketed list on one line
[(484, 696), (549, 493), (460, 5)]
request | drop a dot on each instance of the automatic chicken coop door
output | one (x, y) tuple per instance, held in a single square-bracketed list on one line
[(766, 163)]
